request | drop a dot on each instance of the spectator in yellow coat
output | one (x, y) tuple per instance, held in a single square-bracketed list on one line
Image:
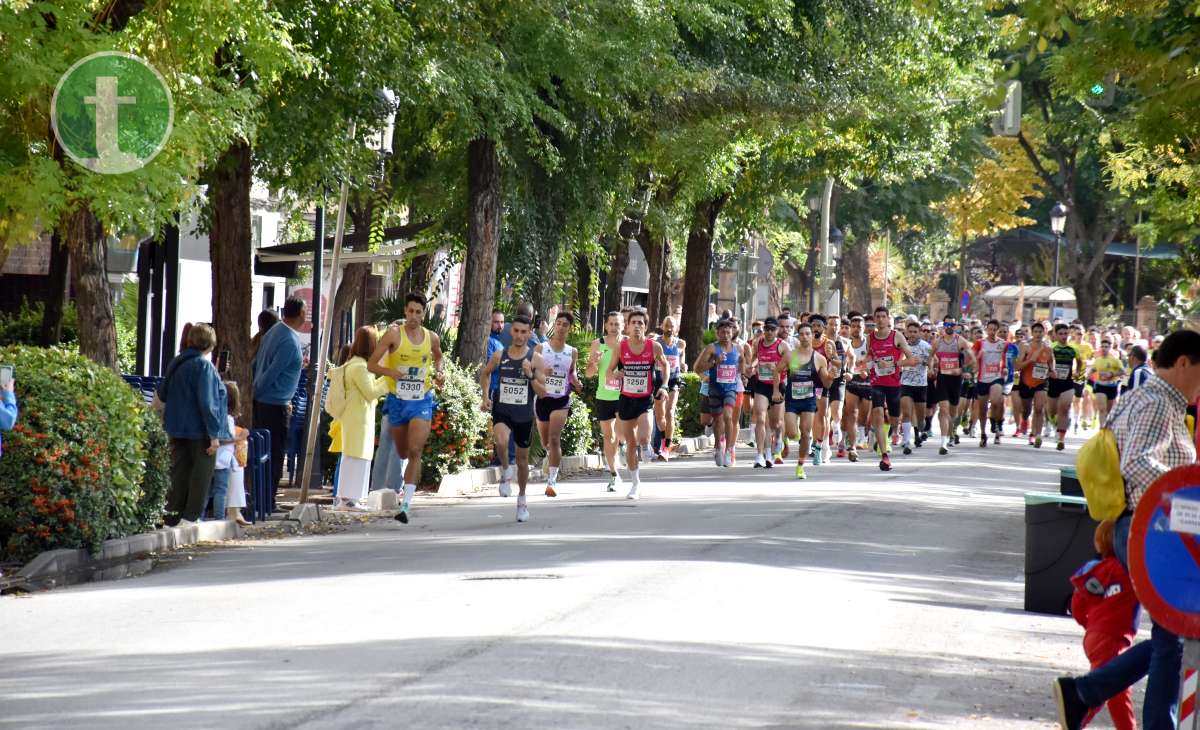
[(363, 391)]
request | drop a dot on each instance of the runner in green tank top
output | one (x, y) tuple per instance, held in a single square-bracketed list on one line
[(607, 393)]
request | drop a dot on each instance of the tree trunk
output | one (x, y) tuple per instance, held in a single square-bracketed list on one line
[(618, 262), (857, 275), (56, 294), (229, 250), (654, 248), (583, 289), (810, 264), (696, 277), (97, 327), (484, 203)]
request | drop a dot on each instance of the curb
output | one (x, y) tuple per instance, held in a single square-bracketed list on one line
[(118, 557)]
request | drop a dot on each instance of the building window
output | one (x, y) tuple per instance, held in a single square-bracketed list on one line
[(268, 297), (256, 226)]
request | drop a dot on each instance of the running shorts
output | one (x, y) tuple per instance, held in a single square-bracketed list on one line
[(836, 390), (522, 433), (860, 389), (1027, 392), (984, 390), (968, 391), (719, 402), (948, 388), (629, 409), (760, 388), (400, 412), (1008, 389), (675, 383), (606, 410), (1055, 388), (886, 395), (931, 395), (543, 407), (1109, 391), (1079, 390), (804, 405), (914, 392)]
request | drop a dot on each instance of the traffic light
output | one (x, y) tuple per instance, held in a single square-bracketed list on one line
[(1102, 93), (1007, 121)]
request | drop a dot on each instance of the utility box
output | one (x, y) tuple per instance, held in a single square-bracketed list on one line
[(1058, 541)]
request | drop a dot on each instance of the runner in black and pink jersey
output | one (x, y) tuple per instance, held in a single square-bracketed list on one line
[(637, 359), (768, 416), (887, 352)]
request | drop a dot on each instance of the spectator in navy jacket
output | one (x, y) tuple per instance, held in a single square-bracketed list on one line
[(8, 410), (276, 374), (195, 419)]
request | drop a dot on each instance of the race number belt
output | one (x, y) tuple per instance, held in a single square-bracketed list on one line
[(885, 365), (802, 389), (411, 384), (514, 391)]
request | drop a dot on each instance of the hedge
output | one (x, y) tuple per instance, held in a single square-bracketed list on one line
[(86, 461)]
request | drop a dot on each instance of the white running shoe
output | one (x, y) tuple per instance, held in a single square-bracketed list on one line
[(759, 461), (522, 513), (718, 457), (505, 489), (633, 493)]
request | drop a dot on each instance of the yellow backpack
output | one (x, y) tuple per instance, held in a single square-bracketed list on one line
[(1098, 467)]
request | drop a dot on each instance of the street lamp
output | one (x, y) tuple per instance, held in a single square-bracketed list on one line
[(1058, 224)]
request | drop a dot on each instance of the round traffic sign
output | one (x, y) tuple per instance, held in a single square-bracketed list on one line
[(1164, 552)]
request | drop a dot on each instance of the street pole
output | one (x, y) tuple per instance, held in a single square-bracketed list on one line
[(1137, 268), (887, 259), (326, 327), (1057, 246), (823, 245)]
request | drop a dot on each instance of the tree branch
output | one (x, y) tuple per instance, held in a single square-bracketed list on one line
[(1038, 167)]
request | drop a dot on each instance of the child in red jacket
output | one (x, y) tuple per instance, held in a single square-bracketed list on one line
[(1105, 606)]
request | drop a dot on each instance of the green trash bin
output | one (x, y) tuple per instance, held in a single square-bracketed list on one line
[(1058, 541), (1068, 482)]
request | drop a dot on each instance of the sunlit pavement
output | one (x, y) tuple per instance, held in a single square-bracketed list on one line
[(724, 598)]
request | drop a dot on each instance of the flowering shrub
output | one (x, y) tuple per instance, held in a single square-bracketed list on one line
[(577, 438), (687, 408), (458, 432), (85, 462)]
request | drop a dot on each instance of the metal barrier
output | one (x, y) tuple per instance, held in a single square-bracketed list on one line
[(259, 466)]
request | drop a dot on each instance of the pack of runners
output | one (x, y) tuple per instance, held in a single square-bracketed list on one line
[(832, 386)]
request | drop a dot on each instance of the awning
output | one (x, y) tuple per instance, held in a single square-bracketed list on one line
[(1032, 293), (1130, 250)]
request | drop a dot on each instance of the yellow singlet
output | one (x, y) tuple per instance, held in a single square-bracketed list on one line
[(414, 359)]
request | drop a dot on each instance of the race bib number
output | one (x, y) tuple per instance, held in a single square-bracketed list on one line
[(613, 382), (639, 383), (766, 373), (727, 374), (673, 362), (412, 385), (1062, 371), (948, 363), (1040, 371), (803, 389), (991, 371), (514, 393), (556, 384), (885, 365)]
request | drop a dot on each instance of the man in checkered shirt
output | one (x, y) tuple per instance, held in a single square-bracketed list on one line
[(1152, 438)]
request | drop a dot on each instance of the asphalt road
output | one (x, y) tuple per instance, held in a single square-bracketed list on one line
[(736, 598)]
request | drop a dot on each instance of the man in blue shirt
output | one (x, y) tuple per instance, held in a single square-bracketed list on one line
[(1139, 370), (276, 375)]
